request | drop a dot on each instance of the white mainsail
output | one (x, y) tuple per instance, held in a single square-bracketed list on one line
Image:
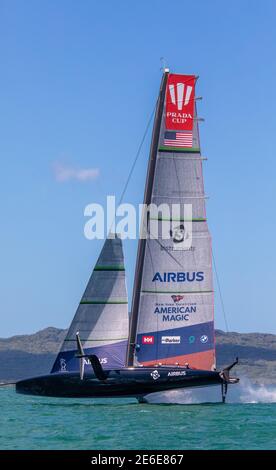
[(173, 303)]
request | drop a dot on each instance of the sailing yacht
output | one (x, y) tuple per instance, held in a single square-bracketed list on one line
[(168, 340)]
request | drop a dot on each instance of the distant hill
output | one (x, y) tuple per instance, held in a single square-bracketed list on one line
[(29, 355), (256, 352)]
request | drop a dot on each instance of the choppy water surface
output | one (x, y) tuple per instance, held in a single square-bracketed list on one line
[(247, 421)]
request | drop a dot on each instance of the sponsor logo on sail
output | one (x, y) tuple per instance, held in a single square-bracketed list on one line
[(177, 311), (178, 234), (178, 247), (179, 276), (180, 102), (181, 238), (103, 360), (179, 96), (179, 118), (155, 374), (204, 339), (63, 365), (177, 298), (171, 313), (171, 339), (147, 339), (191, 339)]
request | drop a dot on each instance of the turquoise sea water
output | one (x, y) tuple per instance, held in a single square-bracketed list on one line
[(48, 423)]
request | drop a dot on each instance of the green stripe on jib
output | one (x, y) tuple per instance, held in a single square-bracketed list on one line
[(176, 292), (94, 340), (173, 219), (110, 268), (99, 302)]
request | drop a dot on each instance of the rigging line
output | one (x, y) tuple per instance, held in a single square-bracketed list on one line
[(135, 161), (137, 154), (220, 293), (164, 248)]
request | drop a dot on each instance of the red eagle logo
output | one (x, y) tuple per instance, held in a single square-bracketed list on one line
[(177, 298)]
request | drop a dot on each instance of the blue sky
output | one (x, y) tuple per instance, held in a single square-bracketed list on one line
[(64, 65)]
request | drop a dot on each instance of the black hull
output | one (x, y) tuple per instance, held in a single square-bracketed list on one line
[(132, 382)]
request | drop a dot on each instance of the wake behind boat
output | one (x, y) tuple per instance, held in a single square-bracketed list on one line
[(170, 340)]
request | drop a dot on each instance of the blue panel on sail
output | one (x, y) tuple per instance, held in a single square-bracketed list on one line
[(156, 345), (111, 356)]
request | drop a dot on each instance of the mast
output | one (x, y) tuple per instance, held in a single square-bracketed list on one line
[(147, 200)]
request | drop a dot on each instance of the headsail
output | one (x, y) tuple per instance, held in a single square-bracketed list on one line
[(102, 315), (173, 301)]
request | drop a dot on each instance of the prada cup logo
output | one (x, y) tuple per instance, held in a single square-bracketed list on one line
[(180, 95), (180, 105)]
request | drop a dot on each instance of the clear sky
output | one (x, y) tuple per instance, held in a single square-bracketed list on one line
[(65, 66)]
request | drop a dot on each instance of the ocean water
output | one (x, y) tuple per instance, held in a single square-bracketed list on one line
[(174, 420)]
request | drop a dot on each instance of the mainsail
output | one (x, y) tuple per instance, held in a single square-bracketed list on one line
[(102, 315), (173, 301)]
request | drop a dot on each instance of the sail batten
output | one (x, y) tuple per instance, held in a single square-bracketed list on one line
[(173, 300)]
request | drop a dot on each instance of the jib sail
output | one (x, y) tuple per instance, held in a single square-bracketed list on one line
[(102, 315), (173, 301)]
